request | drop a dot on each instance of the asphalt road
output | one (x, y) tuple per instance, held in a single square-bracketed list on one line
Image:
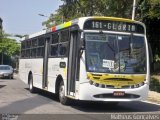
[(15, 98)]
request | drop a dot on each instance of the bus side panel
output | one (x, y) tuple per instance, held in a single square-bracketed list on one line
[(22, 71), (54, 70), (82, 77), (37, 71), (83, 73), (35, 66)]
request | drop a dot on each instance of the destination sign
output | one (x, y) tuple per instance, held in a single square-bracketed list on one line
[(113, 26)]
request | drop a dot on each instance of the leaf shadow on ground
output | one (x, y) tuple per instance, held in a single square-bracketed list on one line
[(1, 86)]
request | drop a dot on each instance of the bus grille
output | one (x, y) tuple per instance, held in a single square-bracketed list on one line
[(110, 95)]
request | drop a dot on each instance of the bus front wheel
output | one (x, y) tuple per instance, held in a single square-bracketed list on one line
[(62, 98)]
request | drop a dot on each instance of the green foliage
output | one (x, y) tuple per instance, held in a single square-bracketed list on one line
[(149, 13), (9, 46), (53, 20), (1, 35), (146, 9), (157, 58), (149, 9), (155, 84), (81, 8), (118, 8), (19, 36)]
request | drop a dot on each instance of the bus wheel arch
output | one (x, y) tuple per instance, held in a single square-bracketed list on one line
[(58, 81), (59, 85)]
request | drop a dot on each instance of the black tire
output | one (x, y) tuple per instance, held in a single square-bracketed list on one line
[(32, 89), (11, 77), (61, 93)]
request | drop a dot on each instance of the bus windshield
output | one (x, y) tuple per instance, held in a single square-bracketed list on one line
[(112, 53)]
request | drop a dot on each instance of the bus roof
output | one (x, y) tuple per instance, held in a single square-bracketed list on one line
[(77, 21)]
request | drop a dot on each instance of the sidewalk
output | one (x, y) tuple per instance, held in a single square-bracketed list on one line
[(154, 97)]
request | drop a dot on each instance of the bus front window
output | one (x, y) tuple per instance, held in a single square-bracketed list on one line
[(110, 53)]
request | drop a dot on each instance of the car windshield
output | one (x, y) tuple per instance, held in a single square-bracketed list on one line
[(4, 68), (110, 53)]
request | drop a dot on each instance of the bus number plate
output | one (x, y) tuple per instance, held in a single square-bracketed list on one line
[(118, 93)]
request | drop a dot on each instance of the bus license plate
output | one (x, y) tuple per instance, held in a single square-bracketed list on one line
[(118, 93)]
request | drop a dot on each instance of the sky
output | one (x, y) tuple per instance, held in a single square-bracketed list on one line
[(21, 16)]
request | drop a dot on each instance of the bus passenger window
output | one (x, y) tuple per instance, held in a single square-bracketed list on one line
[(64, 36), (22, 53), (55, 38), (28, 43), (62, 50), (23, 46), (41, 41), (34, 53), (34, 43), (54, 50), (40, 52), (28, 53)]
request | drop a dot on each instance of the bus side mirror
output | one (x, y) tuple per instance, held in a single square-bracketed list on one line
[(150, 53), (82, 47), (82, 43)]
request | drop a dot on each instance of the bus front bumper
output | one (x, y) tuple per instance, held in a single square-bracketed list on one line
[(93, 93)]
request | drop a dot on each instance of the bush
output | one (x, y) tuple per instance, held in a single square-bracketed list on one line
[(155, 84)]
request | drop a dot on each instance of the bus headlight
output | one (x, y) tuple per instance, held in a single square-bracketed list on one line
[(91, 82), (137, 85)]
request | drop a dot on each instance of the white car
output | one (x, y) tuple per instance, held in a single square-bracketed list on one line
[(6, 71)]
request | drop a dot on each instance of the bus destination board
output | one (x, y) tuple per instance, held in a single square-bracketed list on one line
[(118, 26)]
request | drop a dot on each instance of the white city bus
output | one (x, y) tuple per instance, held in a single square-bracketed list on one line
[(89, 58)]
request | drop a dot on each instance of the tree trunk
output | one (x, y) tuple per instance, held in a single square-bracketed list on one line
[(2, 58)]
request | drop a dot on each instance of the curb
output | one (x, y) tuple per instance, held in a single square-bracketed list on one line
[(151, 102)]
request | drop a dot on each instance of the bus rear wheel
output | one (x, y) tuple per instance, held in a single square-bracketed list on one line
[(62, 98), (31, 87)]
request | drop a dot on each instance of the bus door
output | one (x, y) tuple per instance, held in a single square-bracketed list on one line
[(45, 63), (73, 63)]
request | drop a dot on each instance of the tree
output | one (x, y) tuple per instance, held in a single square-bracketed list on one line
[(118, 8), (149, 13), (1, 34), (8, 47), (149, 9), (72, 9)]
